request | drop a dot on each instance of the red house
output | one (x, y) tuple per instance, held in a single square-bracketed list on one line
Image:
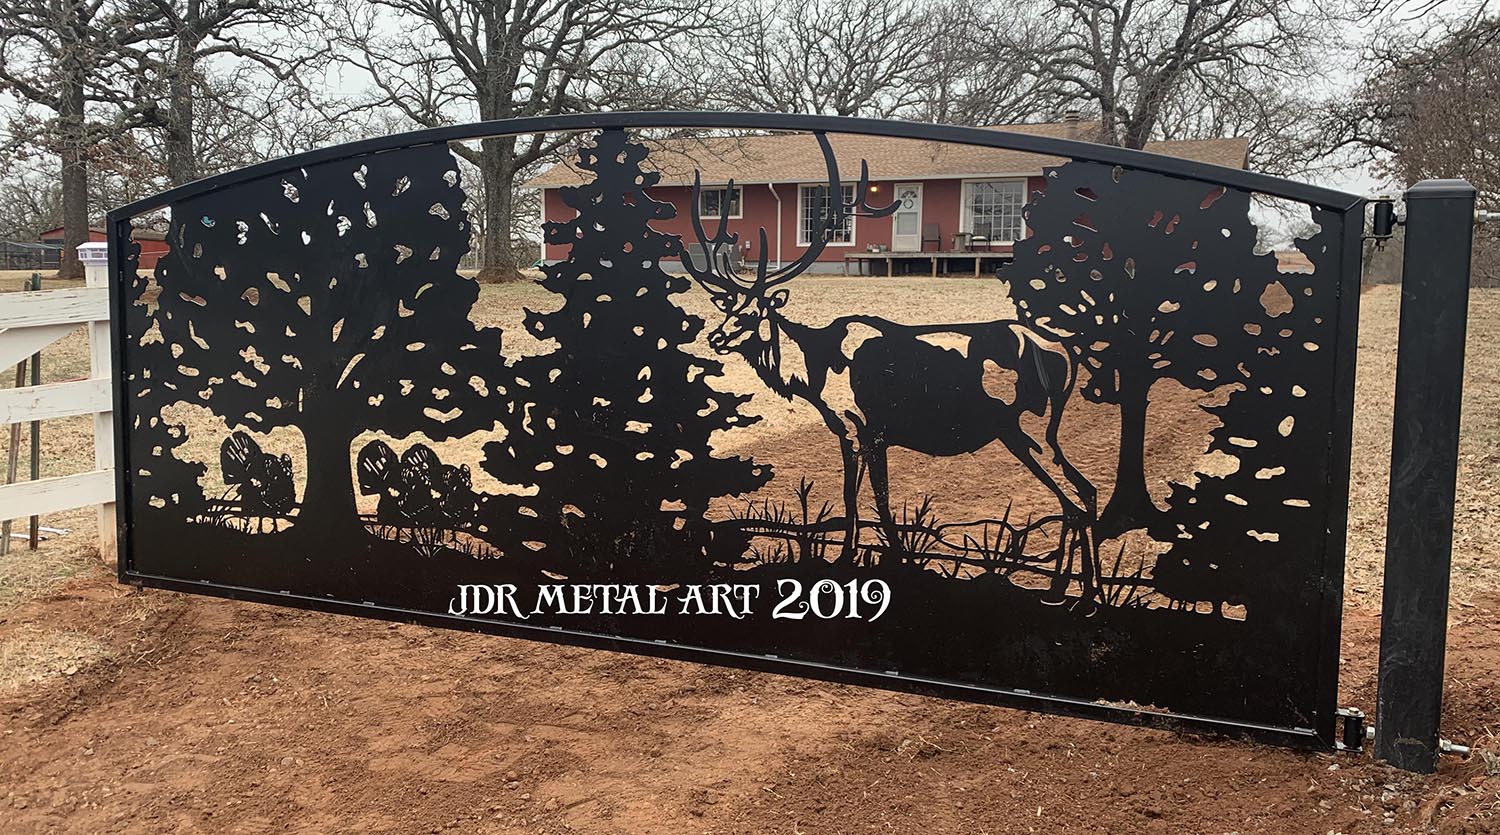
[(960, 204), (153, 243)]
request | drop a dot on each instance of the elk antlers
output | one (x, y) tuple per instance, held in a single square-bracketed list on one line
[(716, 272)]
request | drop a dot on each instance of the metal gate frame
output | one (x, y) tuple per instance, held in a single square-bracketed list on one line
[(1348, 208)]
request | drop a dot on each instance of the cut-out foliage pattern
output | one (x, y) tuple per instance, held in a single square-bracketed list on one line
[(327, 299), (160, 476), (1151, 278), (1251, 536)]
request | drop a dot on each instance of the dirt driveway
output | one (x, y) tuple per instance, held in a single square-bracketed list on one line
[(152, 712)]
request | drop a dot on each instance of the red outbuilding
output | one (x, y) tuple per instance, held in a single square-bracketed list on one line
[(153, 243)]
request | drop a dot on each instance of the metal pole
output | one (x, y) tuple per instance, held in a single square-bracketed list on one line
[(1424, 468), (34, 531)]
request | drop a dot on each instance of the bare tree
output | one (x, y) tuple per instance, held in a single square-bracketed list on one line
[(1276, 120), (242, 115), (1130, 59), (122, 170), (978, 66), (30, 201), (1431, 109), (175, 81), (62, 61), (437, 62), (833, 57)]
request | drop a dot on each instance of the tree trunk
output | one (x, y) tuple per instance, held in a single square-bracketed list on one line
[(1130, 505), (1137, 135), (499, 259), (75, 173), (1138, 129), (328, 501), (182, 157)]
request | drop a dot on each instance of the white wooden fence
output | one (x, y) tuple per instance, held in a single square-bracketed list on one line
[(30, 321)]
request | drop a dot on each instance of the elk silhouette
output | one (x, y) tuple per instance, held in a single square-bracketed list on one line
[(919, 387), (264, 481)]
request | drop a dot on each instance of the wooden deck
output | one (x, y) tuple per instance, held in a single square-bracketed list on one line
[(934, 260)]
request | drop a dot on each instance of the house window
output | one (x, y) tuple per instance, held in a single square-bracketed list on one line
[(712, 202), (812, 213), (992, 209)]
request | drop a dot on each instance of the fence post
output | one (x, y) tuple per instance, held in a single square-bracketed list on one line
[(33, 528), (95, 258), (1424, 468)]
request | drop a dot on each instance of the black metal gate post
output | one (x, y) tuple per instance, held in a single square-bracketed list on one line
[(1424, 468)]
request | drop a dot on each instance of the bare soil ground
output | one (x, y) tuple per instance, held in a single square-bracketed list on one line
[(127, 711)]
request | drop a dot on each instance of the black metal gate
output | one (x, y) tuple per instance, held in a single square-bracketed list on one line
[(1109, 480)]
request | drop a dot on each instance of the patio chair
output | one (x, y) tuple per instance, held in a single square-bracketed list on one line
[(729, 260), (931, 235), (732, 260)]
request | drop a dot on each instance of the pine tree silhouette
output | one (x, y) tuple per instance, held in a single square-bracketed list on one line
[(612, 428)]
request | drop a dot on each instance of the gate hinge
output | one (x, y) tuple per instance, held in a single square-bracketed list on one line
[(1356, 731), (1352, 732)]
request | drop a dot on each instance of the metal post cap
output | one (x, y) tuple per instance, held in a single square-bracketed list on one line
[(1438, 189)]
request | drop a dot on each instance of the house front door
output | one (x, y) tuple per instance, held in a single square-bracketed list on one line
[(906, 223)]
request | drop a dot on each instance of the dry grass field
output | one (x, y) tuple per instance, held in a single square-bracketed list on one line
[(148, 711)]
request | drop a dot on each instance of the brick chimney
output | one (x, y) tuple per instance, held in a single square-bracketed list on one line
[(1070, 119)]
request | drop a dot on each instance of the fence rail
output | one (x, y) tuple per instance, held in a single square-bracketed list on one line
[(73, 306), (30, 321)]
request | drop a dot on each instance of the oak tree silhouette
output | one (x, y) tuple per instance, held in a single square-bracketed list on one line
[(1134, 271), (327, 299), (611, 429), (165, 480), (1238, 533)]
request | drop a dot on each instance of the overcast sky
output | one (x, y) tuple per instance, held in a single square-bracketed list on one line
[(1342, 74)]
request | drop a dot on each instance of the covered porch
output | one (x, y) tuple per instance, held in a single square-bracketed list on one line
[(935, 263)]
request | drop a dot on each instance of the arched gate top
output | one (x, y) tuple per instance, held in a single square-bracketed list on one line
[(1072, 148)]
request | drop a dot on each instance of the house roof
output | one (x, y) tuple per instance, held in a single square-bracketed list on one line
[(139, 233), (796, 158)]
